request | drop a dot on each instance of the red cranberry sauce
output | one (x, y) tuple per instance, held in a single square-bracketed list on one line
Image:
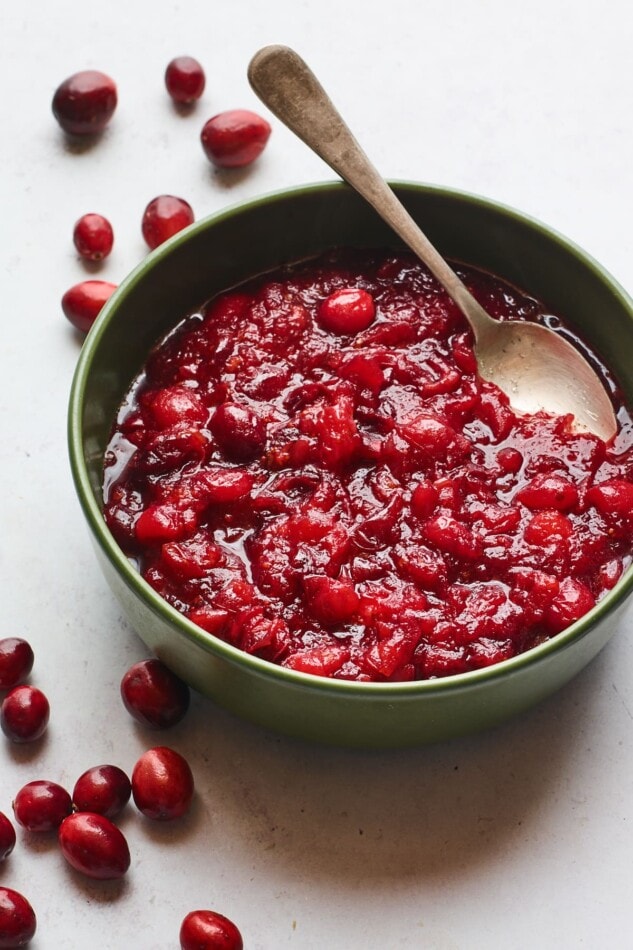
[(361, 505)]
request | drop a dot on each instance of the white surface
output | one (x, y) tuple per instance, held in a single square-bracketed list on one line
[(520, 838)]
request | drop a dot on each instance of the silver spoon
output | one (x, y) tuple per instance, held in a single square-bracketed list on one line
[(536, 368)]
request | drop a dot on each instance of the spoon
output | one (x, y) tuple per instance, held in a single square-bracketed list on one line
[(535, 367)]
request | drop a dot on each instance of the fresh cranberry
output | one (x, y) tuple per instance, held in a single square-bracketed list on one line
[(184, 78), (17, 919), (84, 103), (162, 784), (104, 789), (234, 138), (163, 217), (153, 695), (83, 302), (93, 237), (41, 806), (240, 433), (208, 930), (16, 661), (24, 714), (94, 846), (7, 837), (348, 310)]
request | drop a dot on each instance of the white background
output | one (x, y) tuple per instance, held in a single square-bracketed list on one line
[(519, 838)]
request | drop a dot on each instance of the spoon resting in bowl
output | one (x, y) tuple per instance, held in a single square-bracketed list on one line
[(537, 369)]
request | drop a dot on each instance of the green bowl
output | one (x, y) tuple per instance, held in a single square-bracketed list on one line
[(255, 237)]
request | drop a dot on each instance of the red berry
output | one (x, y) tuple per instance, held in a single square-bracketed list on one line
[(163, 217), (83, 302), (93, 237), (41, 806), (348, 310), (184, 78), (240, 433), (94, 846), (16, 661), (104, 789), (17, 919), (24, 714), (162, 784), (85, 102), (234, 138), (153, 695), (208, 930), (7, 837)]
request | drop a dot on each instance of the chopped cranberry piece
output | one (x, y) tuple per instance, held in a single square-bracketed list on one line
[(163, 217), (93, 237), (83, 302), (235, 138), (41, 806), (547, 524), (330, 601), (94, 846), (571, 603), (176, 404), (17, 919), (85, 102), (549, 491), (240, 433), (208, 930), (184, 79), (347, 311), (318, 661), (614, 497), (16, 661)]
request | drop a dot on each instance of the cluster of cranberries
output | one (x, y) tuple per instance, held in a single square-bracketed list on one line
[(83, 105)]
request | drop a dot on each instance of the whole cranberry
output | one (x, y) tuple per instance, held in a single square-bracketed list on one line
[(16, 661), (93, 237), (94, 846), (153, 695), (104, 789), (83, 302), (162, 784), (348, 310), (208, 930), (235, 138), (163, 217), (41, 806), (184, 78), (84, 103), (240, 433), (7, 837), (17, 919), (24, 714)]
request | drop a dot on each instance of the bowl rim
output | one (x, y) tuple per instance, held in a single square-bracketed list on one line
[(209, 642)]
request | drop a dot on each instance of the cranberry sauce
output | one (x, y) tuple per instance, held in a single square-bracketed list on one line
[(311, 470)]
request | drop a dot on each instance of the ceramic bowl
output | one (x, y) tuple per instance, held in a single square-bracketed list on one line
[(255, 237)]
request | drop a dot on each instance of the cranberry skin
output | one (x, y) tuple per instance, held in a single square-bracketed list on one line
[(184, 79), (93, 237), (162, 784), (41, 806), (7, 837), (235, 138), (83, 302), (348, 310), (94, 846), (24, 714), (16, 661), (85, 102), (153, 695), (17, 919), (240, 433), (208, 930), (103, 789), (163, 217)]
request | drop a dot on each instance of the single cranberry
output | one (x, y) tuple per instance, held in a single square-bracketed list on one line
[(83, 302), (235, 138), (16, 661), (153, 695), (208, 930), (41, 806), (94, 846), (7, 837), (162, 784), (17, 919), (240, 433), (84, 103), (163, 217), (184, 78), (93, 237), (24, 714), (348, 310), (104, 789)]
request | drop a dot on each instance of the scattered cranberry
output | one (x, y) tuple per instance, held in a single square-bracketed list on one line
[(24, 714), (83, 302), (93, 237), (85, 102), (16, 661), (163, 217), (104, 789), (348, 310), (240, 433), (184, 78), (234, 138), (17, 919), (94, 846), (7, 837), (162, 784), (208, 930), (153, 695), (41, 806)]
